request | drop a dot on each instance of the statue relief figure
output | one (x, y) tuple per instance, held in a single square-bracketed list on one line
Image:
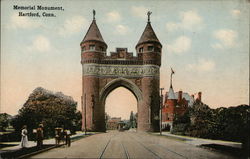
[(112, 70), (147, 70), (126, 71), (108, 70), (121, 54), (119, 71), (101, 70), (122, 70), (133, 71), (141, 71), (91, 69), (96, 70), (88, 70), (115, 71)]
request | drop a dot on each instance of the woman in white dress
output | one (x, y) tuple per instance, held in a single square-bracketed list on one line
[(24, 140)]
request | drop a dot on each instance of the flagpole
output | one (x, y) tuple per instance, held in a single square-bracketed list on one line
[(161, 106)]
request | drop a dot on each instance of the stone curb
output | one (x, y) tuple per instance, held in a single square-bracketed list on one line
[(39, 151), (191, 139), (47, 149)]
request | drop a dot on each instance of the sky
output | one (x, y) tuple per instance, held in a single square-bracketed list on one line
[(205, 42)]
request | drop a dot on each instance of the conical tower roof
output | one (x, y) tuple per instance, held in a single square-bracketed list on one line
[(148, 35), (93, 33), (171, 94)]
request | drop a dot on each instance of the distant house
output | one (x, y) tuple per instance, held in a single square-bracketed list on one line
[(112, 123), (176, 103)]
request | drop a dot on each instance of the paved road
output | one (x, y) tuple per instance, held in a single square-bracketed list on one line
[(130, 145)]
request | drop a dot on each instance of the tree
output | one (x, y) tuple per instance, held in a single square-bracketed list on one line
[(4, 121), (181, 123), (202, 120), (132, 119), (233, 122), (222, 123), (51, 109)]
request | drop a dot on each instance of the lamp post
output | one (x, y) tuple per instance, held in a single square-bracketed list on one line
[(161, 106)]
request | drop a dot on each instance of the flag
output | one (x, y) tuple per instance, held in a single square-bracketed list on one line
[(172, 71)]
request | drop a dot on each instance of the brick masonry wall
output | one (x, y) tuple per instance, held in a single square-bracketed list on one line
[(148, 106)]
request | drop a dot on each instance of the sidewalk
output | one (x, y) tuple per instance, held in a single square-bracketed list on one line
[(200, 141), (33, 143)]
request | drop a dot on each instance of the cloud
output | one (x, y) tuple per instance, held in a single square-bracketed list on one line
[(22, 22), (235, 13), (171, 26), (113, 16), (121, 29), (226, 39), (202, 66), (180, 45), (140, 11), (40, 44), (189, 20), (73, 25)]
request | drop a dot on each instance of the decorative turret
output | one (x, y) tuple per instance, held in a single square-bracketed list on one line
[(149, 45), (93, 49), (93, 43), (171, 94)]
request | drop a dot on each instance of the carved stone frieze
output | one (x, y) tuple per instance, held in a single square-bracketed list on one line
[(120, 70)]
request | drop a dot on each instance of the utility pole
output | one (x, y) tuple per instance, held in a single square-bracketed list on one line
[(85, 127), (161, 106)]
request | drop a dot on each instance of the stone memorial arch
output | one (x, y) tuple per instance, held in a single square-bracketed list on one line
[(102, 73)]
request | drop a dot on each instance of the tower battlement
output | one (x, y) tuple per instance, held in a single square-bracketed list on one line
[(122, 54)]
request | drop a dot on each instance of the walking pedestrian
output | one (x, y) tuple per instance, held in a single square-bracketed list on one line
[(24, 137), (68, 140), (39, 136), (58, 135)]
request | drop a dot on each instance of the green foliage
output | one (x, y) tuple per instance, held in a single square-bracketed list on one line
[(181, 124), (222, 123), (233, 123), (202, 120), (51, 109), (132, 120), (4, 121)]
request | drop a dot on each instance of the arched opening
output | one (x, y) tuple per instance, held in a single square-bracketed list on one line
[(119, 97), (121, 109)]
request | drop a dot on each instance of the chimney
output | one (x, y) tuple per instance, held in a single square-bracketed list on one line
[(199, 96), (166, 97), (180, 96)]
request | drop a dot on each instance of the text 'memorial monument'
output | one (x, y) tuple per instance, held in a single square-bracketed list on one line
[(101, 74)]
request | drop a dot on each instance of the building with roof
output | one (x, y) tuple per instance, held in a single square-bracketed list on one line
[(176, 103), (112, 123)]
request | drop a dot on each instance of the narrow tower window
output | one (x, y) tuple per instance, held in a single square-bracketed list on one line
[(83, 48), (141, 49), (101, 49), (91, 47), (150, 48)]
